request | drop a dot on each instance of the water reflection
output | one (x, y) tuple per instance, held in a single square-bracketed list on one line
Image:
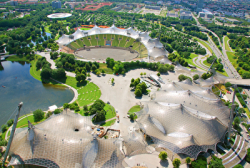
[(21, 86)]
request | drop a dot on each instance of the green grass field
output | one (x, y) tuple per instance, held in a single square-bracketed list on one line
[(88, 92), (226, 44), (80, 42), (24, 122), (83, 28), (93, 40), (108, 123), (129, 43), (115, 42), (17, 58), (190, 59), (101, 40), (123, 41), (134, 109), (110, 111), (86, 41), (105, 68), (231, 58)]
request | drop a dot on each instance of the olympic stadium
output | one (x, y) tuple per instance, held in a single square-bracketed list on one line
[(59, 15), (115, 38)]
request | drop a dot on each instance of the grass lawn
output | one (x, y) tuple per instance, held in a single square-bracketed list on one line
[(134, 109), (110, 111), (47, 29), (247, 112), (190, 59), (93, 40), (123, 41), (231, 58), (17, 58), (206, 63), (24, 122), (83, 28), (105, 68), (109, 123), (226, 44), (88, 92)]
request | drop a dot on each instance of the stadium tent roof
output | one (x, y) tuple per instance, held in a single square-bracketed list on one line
[(213, 107), (180, 128), (154, 46), (64, 140)]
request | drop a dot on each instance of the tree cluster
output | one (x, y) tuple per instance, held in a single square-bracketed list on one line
[(217, 63), (175, 58), (98, 109), (140, 88), (183, 77), (38, 115)]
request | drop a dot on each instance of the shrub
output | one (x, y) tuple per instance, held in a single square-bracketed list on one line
[(85, 108), (176, 163), (4, 128), (10, 122), (38, 115), (188, 160), (66, 105), (195, 77), (48, 114), (3, 142), (57, 111), (200, 162), (163, 155), (238, 166), (248, 155)]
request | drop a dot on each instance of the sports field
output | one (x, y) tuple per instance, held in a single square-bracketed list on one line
[(116, 41)]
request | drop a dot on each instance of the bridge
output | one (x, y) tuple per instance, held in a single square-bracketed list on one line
[(242, 82)]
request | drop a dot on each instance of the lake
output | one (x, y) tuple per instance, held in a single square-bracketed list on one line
[(20, 86)]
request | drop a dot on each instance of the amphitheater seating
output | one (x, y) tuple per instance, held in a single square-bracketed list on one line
[(236, 153)]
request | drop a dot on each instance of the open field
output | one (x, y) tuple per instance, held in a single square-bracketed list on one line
[(231, 58), (134, 109), (88, 92), (108, 123)]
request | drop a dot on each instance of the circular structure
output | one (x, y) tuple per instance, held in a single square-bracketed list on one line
[(103, 53), (115, 37), (59, 15)]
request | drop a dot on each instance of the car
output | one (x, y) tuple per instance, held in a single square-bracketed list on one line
[(228, 92)]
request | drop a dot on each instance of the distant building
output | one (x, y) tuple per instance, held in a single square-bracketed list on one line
[(153, 7), (56, 4), (206, 15), (160, 3), (185, 15), (148, 2), (117, 8), (200, 5), (13, 3)]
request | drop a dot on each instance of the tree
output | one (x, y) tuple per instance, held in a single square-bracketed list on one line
[(182, 77), (132, 116), (4, 128), (188, 160), (57, 111), (141, 74), (144, 74), (248, 155), (176, 163), (103, 71), (238, 166), (85, 108), (38, 115), (163, 155), (158, 74), (66, 105), (228, 85), (216, 163), (10, 122), (112, 80), (80, 77), (31, 45), (138, 92), (98, 73), (46, 73), (93, 67), (195, 77)]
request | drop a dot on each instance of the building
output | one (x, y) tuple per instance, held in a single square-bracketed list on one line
[(13, 3), (206, 15), (148, 2), (160, 3), (153, 7), (56, 4), (200, 5), (185, 15)]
